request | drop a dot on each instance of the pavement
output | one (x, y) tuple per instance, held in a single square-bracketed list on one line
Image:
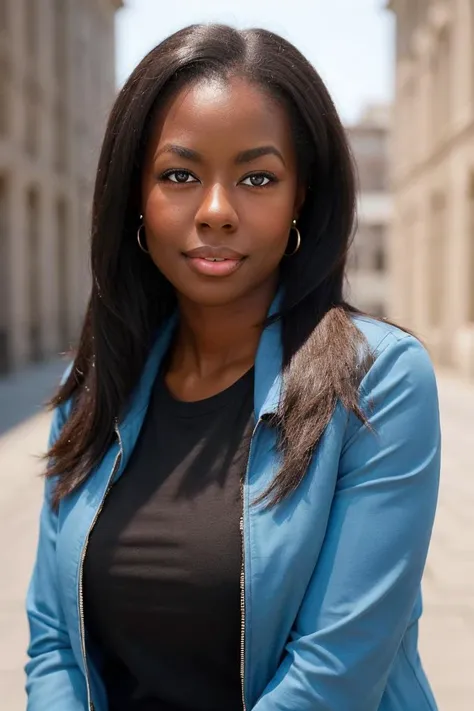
[(24, 394), (447, 627)]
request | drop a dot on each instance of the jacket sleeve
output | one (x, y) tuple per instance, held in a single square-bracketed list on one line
[(363, 591), (52, 674)]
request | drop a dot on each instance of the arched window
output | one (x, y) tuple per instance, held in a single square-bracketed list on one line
[(33, 281)]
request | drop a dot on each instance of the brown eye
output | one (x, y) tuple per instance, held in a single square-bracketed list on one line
[(179, 176), (258, 180)]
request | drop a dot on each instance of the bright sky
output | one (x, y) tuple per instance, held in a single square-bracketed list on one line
[(348, 41)]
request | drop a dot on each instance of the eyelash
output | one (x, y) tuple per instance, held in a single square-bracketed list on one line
[(271, 177)]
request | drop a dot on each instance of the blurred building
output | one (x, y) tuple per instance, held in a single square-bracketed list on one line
[(57, 82), (367, 274), (432, 243)]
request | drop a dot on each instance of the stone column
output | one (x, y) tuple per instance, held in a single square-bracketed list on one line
[(17, 218), (18, 258), (462, 23)]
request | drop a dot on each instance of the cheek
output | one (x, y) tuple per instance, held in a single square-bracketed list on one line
[(273, 213), (271, 228), (167, 218)]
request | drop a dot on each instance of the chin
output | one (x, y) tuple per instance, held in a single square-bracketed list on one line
[(212, 297), (214, 293)]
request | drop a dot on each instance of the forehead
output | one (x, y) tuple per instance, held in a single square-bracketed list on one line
[(223, 115)]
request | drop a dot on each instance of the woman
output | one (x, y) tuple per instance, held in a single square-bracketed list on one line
[(243, 469)]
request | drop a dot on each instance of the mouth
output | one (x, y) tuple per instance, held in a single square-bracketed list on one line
[(214, 261)]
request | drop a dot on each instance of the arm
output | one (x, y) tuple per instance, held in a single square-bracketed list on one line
[(363, 591), (52, 672)]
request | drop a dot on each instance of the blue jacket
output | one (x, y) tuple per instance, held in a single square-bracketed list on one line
[(332, 575)]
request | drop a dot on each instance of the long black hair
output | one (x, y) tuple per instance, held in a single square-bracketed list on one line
[(130, 298)]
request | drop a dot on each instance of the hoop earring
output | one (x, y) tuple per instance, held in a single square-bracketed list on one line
[(298, 240), (140, 241)]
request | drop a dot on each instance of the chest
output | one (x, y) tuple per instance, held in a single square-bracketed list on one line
[(280, 545), (172, 520)]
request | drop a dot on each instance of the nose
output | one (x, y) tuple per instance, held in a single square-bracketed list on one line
[(216, 212)]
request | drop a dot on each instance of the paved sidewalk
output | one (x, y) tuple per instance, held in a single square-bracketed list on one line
[(20, 497), (23, 435), (23, 394), (447, 629)]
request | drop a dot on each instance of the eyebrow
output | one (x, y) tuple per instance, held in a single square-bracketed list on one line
[(243, 157)]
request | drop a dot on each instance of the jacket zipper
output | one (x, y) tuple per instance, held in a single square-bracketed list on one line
[(242, 576), (242, 571), (82, 630), (242, 611)]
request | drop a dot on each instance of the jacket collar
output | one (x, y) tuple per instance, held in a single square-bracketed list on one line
[(268, 366)]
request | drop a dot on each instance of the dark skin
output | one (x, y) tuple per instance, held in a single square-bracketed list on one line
[(222, 195)]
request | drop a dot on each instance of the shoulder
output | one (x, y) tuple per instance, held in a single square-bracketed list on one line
[(379, 334), (399, 360)]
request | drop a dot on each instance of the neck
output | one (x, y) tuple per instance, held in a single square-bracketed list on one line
[(211, 339)]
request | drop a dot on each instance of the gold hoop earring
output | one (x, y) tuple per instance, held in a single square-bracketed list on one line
[(140, 241), (298, 239)]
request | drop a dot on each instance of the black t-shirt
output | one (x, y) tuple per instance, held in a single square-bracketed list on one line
[(162, 570)]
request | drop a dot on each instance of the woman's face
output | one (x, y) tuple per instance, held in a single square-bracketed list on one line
[(220, 191)]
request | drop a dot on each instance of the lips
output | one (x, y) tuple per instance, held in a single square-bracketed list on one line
[(214, 261), (213, 253)]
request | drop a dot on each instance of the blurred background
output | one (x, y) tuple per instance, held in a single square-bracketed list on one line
[(402, 77)]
